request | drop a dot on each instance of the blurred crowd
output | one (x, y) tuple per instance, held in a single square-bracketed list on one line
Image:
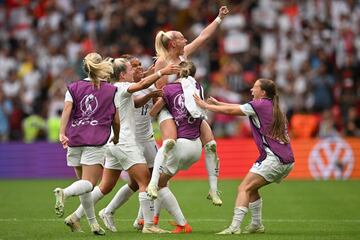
[(311, 48)]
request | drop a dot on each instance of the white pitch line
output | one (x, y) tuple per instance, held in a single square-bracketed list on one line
[(195, 220)]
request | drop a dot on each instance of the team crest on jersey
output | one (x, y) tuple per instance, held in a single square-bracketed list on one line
[(88, 105), (179, 104)]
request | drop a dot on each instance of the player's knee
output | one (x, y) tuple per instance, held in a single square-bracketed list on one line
[(89, 184), (246, 188)]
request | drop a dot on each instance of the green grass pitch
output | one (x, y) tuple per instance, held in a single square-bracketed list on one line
[(291, 210)]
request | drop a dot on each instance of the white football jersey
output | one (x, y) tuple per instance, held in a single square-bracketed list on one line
[(144, 129), (126, 112)]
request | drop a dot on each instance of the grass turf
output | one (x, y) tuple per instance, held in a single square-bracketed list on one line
[(291, 210)]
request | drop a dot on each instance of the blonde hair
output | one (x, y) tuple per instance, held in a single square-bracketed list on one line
[(187, 69), (96, 68), (162, 41), (119, 66), (278, 126)]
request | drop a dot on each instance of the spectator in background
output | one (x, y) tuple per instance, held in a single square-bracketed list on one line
[(266, 38), (322, 84), (34, 125), (5, 111), (327, 126), (53, 127), (352, 125)]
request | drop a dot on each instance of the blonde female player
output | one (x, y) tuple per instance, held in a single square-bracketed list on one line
[(276, 158), (172, 47), (126, 155), (144, 136), (89, 111)]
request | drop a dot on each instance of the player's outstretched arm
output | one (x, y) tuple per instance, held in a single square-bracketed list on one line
[(141, 101), (206, 33), (221, 108), (148, 81)]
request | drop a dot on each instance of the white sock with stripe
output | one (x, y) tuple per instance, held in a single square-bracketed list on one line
[(121, 197), (96, 195)]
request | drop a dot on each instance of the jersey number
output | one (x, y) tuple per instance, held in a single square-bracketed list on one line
[(144, 109)]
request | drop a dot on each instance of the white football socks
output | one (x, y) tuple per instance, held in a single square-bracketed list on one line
[(77, 188), (255, 209), (88, 205), (212, 164), (96, 195), (147, 206), (170, 203), (121, 197), (239, 214), (159, 163)]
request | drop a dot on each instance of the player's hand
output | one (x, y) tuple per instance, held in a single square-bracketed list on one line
[(212, 101), (223, 11), (199, 101), (114, 140), (157, 93), (170, 69), (64, 140), (149, 71)]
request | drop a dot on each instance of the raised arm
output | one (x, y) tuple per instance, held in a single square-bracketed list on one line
[(65, 116), (148, 81), (231, 109), (206, 33), (157, 107), (141, 101)]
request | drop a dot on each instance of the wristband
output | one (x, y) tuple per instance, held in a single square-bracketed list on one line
[(159, 74), (218, 20)]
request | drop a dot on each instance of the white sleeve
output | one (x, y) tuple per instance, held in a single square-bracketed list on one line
[(117, 99), (247, 109), (122, 89), (68, 97)]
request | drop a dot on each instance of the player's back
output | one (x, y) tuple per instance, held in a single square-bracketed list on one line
[(187, 126)]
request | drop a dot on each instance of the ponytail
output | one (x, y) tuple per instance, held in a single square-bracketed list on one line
[(162, 41), (279, 123), (97, 68)]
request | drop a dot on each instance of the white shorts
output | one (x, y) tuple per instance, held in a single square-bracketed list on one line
[(186, 152), (77, 156), (164, 115), (122, 156), (149, 150), (272, 169)]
